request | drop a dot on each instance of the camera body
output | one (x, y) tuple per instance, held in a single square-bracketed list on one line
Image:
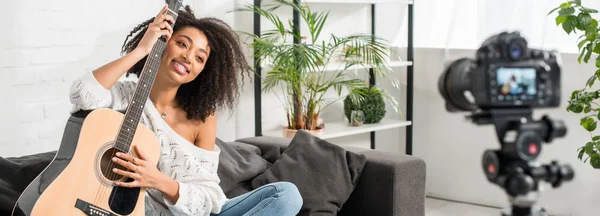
[(505, 74)]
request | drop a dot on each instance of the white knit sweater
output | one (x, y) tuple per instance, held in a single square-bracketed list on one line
[(194, 168)]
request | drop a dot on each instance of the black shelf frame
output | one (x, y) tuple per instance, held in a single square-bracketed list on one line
[(372, 81)]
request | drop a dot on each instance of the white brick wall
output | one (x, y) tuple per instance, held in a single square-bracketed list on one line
[(45, 45)]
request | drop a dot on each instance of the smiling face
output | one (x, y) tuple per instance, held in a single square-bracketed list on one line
[(184, 57)]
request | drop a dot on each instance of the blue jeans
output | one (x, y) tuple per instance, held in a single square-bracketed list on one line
[(280, 198)]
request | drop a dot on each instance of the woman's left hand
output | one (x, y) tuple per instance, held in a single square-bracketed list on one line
[(142, 171)]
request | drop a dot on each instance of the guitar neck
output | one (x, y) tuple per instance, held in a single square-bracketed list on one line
[(138, 101)]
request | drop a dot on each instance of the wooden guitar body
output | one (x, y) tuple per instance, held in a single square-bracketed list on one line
[(63, 157), (85, 186)]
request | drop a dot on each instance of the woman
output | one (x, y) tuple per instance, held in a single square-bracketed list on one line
[(196, 78)]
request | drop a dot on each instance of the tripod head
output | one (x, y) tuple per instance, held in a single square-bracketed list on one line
[(514, 167)]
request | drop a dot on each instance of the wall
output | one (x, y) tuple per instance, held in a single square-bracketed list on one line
[(452, 147), (45, 45)]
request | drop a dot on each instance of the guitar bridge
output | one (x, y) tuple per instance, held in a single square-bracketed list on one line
[(92, 210)]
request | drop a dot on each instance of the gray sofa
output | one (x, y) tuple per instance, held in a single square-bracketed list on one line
[(391, 184)]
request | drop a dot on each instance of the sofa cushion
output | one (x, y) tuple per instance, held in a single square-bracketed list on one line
[(325, 174), (239, 163), (270, 147), (245, 147)]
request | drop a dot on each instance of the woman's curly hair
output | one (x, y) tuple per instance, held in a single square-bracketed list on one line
[(216, 87)]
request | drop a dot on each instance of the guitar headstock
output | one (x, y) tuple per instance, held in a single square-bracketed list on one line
[(175, 5)]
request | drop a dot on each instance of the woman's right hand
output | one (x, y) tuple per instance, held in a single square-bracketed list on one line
[(159, 27)]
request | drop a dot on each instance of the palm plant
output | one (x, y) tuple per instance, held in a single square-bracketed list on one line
[(298, 69)]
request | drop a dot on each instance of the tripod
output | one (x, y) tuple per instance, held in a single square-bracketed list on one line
[(513, 167)]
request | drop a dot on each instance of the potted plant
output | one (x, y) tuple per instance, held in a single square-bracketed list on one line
[(300, 73), (575, 18)]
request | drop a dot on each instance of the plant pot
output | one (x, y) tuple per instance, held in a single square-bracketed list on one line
[(290, 133)]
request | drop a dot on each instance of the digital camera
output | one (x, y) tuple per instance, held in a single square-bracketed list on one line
[(504, 74), (502, 86)]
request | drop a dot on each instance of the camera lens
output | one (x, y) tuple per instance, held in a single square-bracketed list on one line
[(454, 83)]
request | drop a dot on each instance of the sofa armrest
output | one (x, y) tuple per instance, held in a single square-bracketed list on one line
[(390, 184)]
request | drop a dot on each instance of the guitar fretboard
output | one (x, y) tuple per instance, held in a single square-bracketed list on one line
[(138, 101)]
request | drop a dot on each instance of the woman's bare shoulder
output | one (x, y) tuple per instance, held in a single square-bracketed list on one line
[(206, 132)]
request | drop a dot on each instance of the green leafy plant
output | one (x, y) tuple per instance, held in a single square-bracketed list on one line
[(372, 105), (577, 19), (298, 70)]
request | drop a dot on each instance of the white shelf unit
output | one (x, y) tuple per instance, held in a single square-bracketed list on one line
[(360, 1), (342, 128), (336, 66)]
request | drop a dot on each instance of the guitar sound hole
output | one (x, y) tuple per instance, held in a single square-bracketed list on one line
[(107, 165)]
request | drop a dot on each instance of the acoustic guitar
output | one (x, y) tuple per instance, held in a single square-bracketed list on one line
[(79, 180)]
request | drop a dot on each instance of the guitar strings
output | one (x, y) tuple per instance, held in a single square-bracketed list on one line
[(104, 192), (128, 139), (101, 192), (137, 112)]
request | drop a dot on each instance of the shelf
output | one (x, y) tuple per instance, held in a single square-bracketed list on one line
[(340, 129), (338, 66), (358, 1)]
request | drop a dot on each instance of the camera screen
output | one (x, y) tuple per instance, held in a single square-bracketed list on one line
[(516, 81)]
